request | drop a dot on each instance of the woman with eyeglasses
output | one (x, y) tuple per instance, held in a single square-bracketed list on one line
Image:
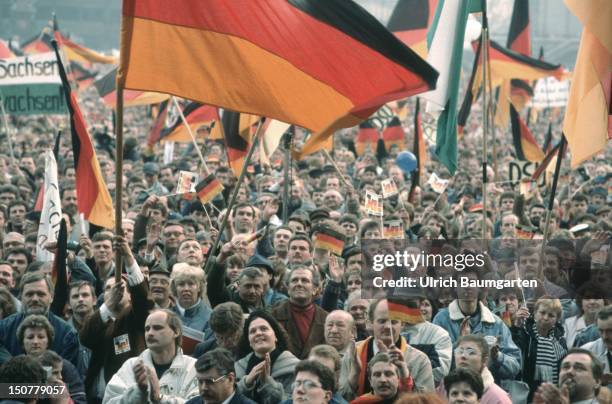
[(265, 372)]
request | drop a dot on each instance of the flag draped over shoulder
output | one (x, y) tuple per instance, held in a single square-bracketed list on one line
[(409, 22), (524, 143), (107, 89), (445, 53), (320, 64), (588, 116), (51, 212), (93, 199)]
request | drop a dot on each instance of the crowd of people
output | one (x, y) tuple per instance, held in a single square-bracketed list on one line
[(275, 318)]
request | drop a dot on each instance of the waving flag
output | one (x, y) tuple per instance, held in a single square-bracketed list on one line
[(237, 140), (320, 64), (107, 89), (5, 50), (409, 22), (519, 40), (196, 115), (367, 138), (93, 200), (524, 143), (588, 116), (51, 212), (393, 135)]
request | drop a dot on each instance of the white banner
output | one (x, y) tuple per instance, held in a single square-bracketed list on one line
[(30, 69), (550, 92), (51, 214)]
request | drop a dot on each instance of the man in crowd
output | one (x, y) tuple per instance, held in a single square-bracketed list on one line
[(161, 373), (226, 322), (303, 320), (217, 379), (388, 377)]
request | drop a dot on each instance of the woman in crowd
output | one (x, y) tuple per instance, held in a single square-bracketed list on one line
[(588, 304), (35, 335), (542, 343), (265, 372)]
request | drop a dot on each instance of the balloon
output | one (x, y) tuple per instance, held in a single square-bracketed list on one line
[(406, 161)]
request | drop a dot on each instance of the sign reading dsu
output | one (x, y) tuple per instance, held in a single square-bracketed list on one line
[(31, 85)]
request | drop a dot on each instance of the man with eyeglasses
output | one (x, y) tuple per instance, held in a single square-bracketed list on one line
[(314, 384), (217, 379)]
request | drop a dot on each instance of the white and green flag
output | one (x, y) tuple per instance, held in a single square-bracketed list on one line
[(31, 85)]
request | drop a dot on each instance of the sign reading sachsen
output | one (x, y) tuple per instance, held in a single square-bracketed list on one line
[(31, 85)]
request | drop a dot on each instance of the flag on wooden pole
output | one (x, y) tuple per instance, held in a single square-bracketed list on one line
[(321, 65)]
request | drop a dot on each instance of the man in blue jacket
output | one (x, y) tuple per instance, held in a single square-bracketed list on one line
[(36, 297)]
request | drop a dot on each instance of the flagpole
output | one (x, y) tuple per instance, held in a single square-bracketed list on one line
[(118, 178), (228, 211), (485, 121), (6, 129), (193, 139), (333, 163), (551, 200), (287, 152)]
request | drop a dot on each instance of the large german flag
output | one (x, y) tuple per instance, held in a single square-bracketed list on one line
[(367, 138), (107, 89), (519, 40), (196, 115), (320, 64), (524, 143), (473, 88), (393, 134), (409, 22), (81, 54), (94, 201)]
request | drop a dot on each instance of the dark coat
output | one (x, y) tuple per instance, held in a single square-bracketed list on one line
[(65, 343), (527, 341), (99, 336), (282, 314), (237, 399)]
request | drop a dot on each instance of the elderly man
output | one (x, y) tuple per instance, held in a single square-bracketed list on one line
[(159, 284), (580, 378), (339, 330), (36, 297), (188, 288), (358, 308), (217, 379), (161, 373), (190, 252), (303, 320)]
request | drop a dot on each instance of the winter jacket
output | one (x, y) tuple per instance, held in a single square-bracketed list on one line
[(65, 343), (526, 339), (434, 342), (600, 350), (316, 336), (508, 363), (280, 386), (195, 317), (177, 385)]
